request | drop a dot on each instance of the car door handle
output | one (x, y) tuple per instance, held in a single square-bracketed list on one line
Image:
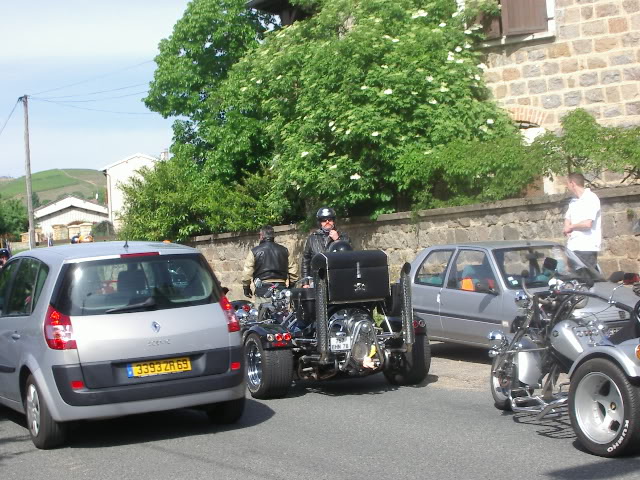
[(15, 336)]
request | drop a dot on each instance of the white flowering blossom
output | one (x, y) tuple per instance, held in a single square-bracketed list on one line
[(258, 82), (455, 14), (484, 128), (384, 66), (442, 25), (466, 45), (243, 89), (458, 49), (347, 132), (304, 154), (476, 78), (419, 13), (388, 91), (333, 167), (482, 66), (450, 57), (460, 60), (278, 77), (433, 101), (444, 89), (363, 87), (429, 78), (387, 37), (414, 93), (467, 32), (489, 121), (332, 123), (355, 176), (395, 40), (375, 134)]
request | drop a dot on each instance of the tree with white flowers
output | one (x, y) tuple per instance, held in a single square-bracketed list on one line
[(370, 106)]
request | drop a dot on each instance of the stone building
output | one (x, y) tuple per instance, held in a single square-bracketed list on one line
[(586, 55)]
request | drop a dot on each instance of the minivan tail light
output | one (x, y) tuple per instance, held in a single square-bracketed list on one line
[(232, 321), (58, 331)]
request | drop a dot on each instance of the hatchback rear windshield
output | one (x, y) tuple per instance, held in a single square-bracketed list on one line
[(136, 283)]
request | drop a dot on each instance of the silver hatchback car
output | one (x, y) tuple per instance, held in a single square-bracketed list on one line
[(101, 330)]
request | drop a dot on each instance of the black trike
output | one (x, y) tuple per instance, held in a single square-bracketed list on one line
[(351, 323)]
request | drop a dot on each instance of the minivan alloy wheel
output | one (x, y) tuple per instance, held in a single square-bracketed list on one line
[(33, 410)]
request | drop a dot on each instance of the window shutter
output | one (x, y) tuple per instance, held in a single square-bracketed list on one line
[(490, 26), (520, 17)]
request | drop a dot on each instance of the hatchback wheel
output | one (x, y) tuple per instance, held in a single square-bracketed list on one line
[(45, 432)]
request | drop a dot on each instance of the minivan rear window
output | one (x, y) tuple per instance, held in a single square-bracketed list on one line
[(136, 283)]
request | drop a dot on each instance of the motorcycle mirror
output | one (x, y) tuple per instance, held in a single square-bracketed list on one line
[(258, 282)]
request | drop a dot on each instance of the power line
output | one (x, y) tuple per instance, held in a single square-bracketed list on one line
[(93, 100), (96, 93), (94, 109), (94, 78), (9, 117)]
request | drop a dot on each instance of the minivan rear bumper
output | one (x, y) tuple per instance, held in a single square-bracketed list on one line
[(65, 374)]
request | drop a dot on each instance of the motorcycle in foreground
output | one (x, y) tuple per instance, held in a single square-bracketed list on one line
[(603, 396)]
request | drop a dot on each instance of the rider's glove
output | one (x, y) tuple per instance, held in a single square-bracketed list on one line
[(247, 291)]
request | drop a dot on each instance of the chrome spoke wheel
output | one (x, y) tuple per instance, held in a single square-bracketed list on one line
[(33, 410), (599, 407), (254, 365)]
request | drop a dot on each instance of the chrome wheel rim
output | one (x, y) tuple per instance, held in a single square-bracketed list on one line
[(599, 408), (254, 365), (33, 410)]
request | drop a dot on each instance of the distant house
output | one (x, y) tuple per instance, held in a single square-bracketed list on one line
[(64, 217), (119, 173)]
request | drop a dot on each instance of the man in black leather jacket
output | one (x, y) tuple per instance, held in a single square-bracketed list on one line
[(321, 239), (270, 262)]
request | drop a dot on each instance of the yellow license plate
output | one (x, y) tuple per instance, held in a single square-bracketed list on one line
[(159, 367)]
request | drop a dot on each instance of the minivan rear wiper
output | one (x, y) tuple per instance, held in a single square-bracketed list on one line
[(148, 304)]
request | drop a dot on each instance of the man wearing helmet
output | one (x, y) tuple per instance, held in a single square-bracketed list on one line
[(321, 239)]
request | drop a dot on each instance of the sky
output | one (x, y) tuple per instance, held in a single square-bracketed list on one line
[(45, 45)]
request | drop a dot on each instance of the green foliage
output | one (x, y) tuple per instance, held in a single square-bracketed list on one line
[(13, 217), (174, 201), (588, 147), (369, 106)]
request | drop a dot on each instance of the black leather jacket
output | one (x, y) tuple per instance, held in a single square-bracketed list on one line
[(271, 260), (317, 242)]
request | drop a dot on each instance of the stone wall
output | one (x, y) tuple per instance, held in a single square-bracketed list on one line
[(403, 235), (592, 62)]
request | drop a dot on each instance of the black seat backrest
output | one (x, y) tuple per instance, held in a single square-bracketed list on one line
[(131, 281)]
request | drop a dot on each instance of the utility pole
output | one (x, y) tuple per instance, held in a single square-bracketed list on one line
[(27, 167)]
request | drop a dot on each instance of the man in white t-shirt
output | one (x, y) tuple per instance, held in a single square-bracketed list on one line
[(582, 221)]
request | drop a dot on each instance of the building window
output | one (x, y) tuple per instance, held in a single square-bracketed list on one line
[(522, 19)]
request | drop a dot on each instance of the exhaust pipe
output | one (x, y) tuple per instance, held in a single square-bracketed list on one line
[(408, 332), (322, 320)]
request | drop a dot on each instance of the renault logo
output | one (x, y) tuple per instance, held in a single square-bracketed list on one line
[(155, 326)]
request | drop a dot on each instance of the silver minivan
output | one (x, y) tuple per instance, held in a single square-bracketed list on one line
[(100, 330)]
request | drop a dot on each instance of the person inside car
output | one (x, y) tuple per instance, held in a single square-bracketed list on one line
[(320, 240), (4, 256)]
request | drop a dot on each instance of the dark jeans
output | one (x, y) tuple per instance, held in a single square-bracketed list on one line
[(589, 258)]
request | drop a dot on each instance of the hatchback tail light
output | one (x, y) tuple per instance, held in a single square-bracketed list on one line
[(232, 322), (58, 331)]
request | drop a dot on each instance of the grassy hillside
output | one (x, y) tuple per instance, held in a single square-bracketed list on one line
[(52, 184)]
